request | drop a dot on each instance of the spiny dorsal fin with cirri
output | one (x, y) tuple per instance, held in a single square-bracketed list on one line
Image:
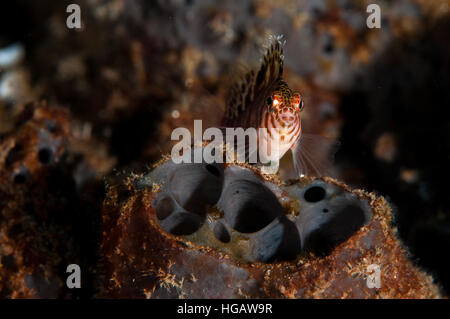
[(249, 92)]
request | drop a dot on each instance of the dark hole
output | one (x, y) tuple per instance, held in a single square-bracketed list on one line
[(314, 194), (182, 224), (45, 155), (337, 230), (213, 170), (251, 207), (290, 245), (221, 233), (328, 45), (195, 186), (325, 210), (13, 155), (253, 218), (164, 208), (184, 229), (20, 177), (328, 48)]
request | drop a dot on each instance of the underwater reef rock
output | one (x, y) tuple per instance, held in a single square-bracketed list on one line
[(40, 139), (228, 231), (35, 221)]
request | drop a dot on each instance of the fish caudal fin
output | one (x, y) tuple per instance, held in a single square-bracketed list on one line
[(313, 155)]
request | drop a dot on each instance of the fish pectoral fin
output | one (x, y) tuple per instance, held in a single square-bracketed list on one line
[(313, 155)]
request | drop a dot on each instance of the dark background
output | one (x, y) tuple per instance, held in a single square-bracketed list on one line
[(383, 93)]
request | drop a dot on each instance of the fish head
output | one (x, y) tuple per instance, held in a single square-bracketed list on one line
[(286, 107)]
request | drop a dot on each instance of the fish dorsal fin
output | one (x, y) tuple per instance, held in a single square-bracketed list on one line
[(272, 65), (250, 85), (240, 91)]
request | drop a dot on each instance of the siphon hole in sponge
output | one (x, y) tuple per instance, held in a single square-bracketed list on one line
[(213, 170), (164, 208), (314, 194), (222, 233), (45, 155)]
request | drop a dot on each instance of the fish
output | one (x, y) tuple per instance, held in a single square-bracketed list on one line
[(263, 99)]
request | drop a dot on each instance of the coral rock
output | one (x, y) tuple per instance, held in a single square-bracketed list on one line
[(34, 244), (309, 238)]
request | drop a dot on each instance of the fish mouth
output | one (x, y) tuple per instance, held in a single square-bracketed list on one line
[(287, 118)]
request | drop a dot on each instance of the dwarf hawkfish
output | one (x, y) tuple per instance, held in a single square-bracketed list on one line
[(263, 99)]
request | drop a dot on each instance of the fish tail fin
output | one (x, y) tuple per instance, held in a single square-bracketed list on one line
[(313, 155)]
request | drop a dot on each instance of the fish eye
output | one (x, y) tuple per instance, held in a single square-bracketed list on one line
[(297, 102), (301, 105)]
